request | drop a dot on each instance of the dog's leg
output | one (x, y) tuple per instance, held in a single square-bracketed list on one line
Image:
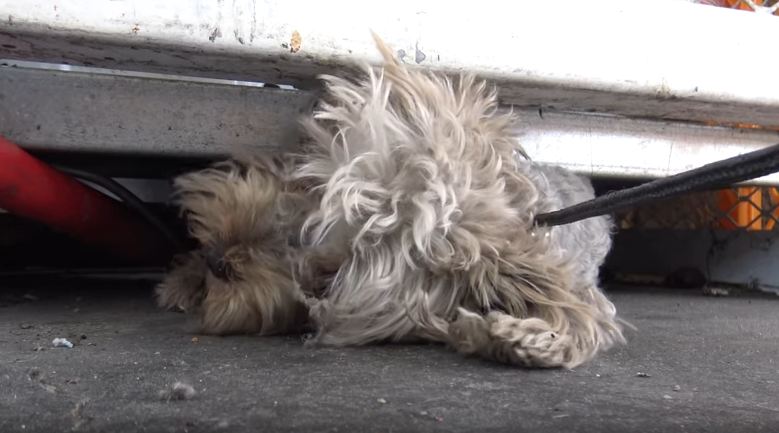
[(539, 320)]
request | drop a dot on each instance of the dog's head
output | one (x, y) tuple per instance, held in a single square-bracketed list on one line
[(239, 279)]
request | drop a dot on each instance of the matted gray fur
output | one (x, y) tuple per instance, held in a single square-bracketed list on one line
[(408, 215)]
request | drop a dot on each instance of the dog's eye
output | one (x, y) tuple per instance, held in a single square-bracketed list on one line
[(220, 270), (218, 266)]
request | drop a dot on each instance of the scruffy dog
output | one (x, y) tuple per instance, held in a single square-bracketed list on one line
[(407, 216)]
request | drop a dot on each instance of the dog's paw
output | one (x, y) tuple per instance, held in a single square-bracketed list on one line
[(528, 342), (182, 289)]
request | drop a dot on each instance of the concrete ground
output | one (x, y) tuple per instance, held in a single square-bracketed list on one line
[(696, 364)]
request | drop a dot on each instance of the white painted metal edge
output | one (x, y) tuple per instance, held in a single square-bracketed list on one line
[(659, 59), (74, 111), (622, 147)]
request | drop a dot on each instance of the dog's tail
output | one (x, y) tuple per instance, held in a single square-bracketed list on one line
[(412, 89), (394, 70), (385, 51)]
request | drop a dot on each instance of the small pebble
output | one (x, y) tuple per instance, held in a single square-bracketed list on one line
[(34, 374), (423, 413), (381, 400), (641, 374), (677, 388), (667, 397), (25, 326), (51, 389), (195, 339), (178, 391), (62, 342)]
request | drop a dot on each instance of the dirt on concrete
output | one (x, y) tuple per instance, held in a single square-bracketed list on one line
[(695, 364)]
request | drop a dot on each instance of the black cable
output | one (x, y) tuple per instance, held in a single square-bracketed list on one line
[(116, 272), (715, 175), (128, 199)]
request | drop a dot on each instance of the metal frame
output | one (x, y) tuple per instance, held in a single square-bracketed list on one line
[(166, 116), (606, 87)]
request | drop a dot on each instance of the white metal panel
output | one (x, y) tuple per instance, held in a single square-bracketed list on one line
[(661, 58)]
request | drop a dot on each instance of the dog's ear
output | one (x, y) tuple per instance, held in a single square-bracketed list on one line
[(229, 203)]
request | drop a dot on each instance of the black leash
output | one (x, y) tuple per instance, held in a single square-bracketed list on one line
[(710, 176)]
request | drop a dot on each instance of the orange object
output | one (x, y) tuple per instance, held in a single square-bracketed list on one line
[(744, 214), (742, 5), (774, 194), (744, 206)]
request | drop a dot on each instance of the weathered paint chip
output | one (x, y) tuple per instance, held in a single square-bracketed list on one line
[(295, 41), (215, 34), (419, 56)]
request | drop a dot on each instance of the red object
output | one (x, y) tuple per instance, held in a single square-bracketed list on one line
[(30, 188)]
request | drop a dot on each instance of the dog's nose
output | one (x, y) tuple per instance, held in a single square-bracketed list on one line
[(217, 264)]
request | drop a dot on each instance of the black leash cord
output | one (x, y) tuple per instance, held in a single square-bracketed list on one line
[(128, 199), (710, 176)]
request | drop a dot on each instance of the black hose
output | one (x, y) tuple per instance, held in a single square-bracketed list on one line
[(710, 176)]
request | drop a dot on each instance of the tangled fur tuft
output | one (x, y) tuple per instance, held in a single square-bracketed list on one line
[(409, 215)]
